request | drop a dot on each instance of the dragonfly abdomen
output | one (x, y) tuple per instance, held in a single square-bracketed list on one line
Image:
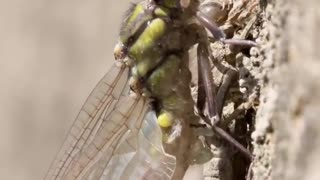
[(158, 48)]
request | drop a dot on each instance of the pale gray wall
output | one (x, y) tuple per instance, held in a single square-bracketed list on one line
[(52, 53)]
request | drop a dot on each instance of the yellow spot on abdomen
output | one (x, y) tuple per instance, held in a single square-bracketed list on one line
[(165, 119)]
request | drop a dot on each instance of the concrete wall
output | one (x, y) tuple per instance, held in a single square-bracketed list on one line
[(52, 53)]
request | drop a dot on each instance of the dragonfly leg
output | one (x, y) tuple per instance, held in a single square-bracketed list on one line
[(223, 134), (241, 39), (214, 29), (205, 82), (219, 35), (218, 100), (230, 74), (214, 129), (228, 78), (207, 90)]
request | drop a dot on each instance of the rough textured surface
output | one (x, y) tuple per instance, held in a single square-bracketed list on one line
[(286, 139), (285, 68), (296, 119)]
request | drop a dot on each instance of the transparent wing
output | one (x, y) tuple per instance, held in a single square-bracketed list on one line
[(146, 158), (105, 141)]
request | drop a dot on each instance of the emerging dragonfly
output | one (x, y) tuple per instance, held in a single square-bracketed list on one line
[(137, 123)]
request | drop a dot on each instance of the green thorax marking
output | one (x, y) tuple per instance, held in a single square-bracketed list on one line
[(137, 17), (145, 36)]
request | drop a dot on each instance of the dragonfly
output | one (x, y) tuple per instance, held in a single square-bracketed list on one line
[(137, 122)]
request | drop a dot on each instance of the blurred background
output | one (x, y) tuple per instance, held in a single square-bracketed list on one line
[(52, 53)]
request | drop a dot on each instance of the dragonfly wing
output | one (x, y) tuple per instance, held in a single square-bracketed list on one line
[(141, 156), (157, 163), (105, 141), (100, 103), (126, 119)]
